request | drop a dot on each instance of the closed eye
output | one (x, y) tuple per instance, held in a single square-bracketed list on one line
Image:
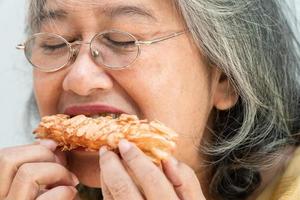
[(53, 47), (123, 44)]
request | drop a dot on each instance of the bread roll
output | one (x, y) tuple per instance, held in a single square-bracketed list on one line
[(153, 138)]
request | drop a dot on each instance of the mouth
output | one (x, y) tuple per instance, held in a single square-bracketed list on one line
[(112, 115), (94, 111)]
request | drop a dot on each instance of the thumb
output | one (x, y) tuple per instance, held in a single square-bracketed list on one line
[(49, 144), (60, 156)]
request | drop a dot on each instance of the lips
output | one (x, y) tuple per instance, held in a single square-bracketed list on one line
[(92, 110)]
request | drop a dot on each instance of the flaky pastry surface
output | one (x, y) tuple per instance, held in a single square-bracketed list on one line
[(153, 138)]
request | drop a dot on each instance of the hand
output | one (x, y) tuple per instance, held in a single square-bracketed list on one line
[(135, 177), (35, 172)]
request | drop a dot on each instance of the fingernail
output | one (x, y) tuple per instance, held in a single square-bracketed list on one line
[(124, 146), (102, 150), (50, 144), (75, 179)]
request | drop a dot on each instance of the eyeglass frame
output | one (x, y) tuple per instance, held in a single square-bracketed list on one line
[(73, 51)]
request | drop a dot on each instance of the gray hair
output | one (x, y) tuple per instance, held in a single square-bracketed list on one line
[(251, 41), (253, 44)]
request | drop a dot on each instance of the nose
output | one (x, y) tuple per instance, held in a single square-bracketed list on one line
[(85, 76)]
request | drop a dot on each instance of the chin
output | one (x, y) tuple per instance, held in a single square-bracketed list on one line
[(85, 165)]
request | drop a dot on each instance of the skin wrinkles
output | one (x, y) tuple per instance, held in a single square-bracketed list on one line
[(170, 81), (137, 12)]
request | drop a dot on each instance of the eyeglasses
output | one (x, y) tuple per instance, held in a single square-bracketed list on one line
[(114, 49)]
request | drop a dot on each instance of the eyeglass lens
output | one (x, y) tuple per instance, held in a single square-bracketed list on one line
[(113, 49), (116, 49), (47, 51)]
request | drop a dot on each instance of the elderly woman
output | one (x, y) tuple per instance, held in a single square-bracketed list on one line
[(222, 74)]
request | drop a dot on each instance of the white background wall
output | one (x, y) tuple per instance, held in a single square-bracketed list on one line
[(15, 76), (15, 73)]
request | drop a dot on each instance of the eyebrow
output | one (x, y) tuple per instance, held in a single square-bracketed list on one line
[(131, 10), (111, 11), (52, 14)]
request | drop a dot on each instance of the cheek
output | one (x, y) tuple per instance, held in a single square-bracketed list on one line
[(177, 92), (47, 88), (173, 88)]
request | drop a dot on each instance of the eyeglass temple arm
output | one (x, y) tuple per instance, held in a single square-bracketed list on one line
[(20, 46), (147, 42)]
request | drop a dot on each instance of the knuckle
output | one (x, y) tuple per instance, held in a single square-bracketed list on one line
[(131, 156), (4, 152), (118, 188), (151, 177), (25, 176), (25, 172), (60, 171), (41, 148), (7, 160), (44, 151), (108, 157)]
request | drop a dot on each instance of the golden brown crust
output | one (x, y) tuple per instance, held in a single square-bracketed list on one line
[(153, 138)]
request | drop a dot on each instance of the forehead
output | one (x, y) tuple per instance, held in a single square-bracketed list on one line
[(147, 13), (145, 8), (78, 5)]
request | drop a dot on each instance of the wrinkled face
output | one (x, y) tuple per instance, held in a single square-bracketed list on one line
[(170, 80)]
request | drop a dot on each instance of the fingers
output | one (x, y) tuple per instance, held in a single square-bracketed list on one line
[(105, 192), (59, 193), (50, 144), (153, 181), (183, 178), (60, 156), (31, 176), (117, 184), (178, 181), (12, 158)]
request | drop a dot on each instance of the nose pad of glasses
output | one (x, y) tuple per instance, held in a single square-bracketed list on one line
[(95, 53), (74, 54)]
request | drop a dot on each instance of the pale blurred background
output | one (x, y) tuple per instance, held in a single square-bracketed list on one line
[(15, 76), (15, 73)]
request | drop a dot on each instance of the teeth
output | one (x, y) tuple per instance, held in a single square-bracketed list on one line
[(112, 115), (95, 116)]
